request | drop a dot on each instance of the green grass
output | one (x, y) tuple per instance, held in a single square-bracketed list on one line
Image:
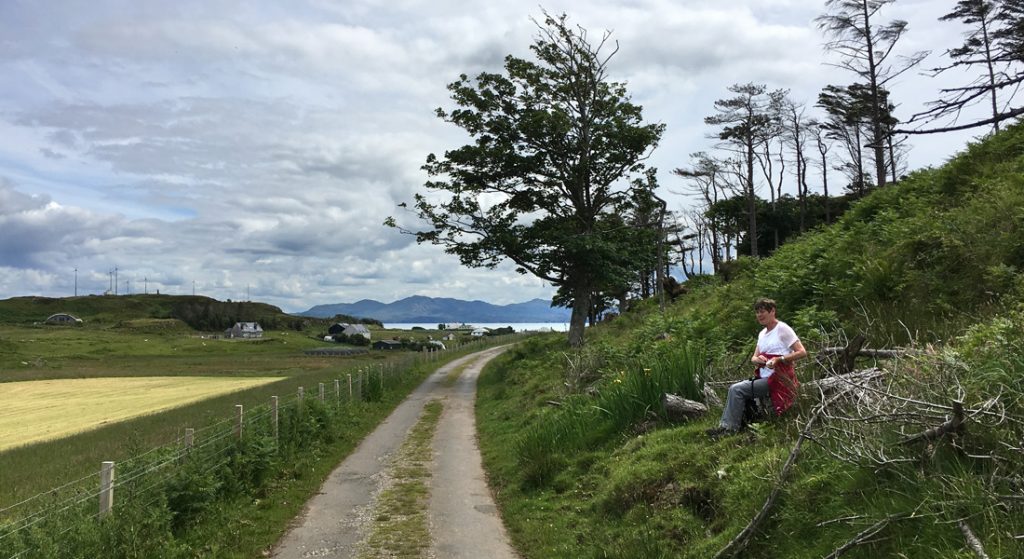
[(934, 261), (670, 492)]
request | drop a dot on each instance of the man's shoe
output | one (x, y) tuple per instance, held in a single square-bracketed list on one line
[(719, 432)]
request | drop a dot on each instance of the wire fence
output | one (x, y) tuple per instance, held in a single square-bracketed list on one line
[(246, 440)]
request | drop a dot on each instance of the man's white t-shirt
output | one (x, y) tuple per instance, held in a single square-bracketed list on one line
[(778, 341)]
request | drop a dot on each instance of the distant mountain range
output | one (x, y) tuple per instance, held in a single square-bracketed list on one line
[(430, 309)]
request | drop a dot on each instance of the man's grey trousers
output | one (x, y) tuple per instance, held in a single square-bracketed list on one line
[(739, 393)]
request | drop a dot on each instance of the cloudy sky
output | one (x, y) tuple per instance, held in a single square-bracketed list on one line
[(255, 147)]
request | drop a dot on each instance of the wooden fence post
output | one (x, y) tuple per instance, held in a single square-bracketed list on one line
[(274, 415), (320, 392), (302, 395), (350, 387), (337, 390), (106, 488), (190, 435), (238, 420)]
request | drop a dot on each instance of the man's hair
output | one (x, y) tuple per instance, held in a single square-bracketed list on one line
[(764, 305)]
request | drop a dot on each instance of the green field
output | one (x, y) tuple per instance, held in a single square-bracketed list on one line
[(40, 410), (129, 345)]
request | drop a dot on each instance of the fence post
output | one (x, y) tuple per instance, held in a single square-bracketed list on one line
[(190, 435), (106, 488), (349, 387), (302, 395), (274, 416), (382, 380), (337, 390), (320, 392), (359, 385), (238, 420)]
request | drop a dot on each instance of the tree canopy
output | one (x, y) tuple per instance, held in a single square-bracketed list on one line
[(545, 179)]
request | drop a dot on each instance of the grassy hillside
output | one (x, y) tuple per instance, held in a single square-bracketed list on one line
[(108, 310), (585, 466)]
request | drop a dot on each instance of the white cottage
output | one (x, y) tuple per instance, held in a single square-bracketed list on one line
[(244, 330), (357, 329)]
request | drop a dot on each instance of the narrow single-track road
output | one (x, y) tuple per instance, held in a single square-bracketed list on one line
[(457, 514)]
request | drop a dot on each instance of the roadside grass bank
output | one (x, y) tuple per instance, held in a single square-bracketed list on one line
[(400, 527), (905, 461), (659, 490)]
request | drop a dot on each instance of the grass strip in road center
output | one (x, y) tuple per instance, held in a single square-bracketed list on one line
[(453, 376), (400, 528)]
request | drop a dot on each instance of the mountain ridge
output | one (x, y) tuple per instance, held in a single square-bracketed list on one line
[(420, 308)]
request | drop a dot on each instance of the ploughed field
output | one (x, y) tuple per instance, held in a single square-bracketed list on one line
[(40, 410)]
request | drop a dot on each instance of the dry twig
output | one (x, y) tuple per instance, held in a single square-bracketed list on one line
[(972, 541)]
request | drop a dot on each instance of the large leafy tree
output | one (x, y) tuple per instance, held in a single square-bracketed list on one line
[(554, 144)]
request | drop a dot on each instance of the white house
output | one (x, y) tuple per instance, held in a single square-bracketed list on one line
[(244, 330), (480, 332), (354, 329)]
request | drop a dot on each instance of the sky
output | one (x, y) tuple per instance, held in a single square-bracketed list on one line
[(252, 149)]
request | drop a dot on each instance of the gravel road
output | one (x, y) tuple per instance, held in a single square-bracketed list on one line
[(463, 518)]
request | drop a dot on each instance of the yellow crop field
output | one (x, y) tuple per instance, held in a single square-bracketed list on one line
[(34, 411)]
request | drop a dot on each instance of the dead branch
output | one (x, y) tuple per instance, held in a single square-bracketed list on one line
[(711, 397), (677, 408), (848, 382), (863, 536), (865, 352), (850, 353), (950, 426), (972, 541), (740, 542)]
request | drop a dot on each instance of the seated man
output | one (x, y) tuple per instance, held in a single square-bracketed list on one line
[(777, 348)]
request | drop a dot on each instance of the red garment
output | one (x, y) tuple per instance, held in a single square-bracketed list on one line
[(782, 384)]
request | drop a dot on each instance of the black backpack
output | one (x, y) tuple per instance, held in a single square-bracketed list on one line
[(757, 409)]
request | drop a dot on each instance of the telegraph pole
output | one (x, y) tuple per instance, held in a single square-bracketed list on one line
[(76, 282), (115, 280)]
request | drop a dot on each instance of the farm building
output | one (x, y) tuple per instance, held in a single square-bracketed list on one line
[(480, 332), (387, 344), (244, 330), (337, 328), (63, 318), (349, 329), (357, 329)]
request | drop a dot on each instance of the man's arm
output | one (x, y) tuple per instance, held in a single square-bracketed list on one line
[(796, 351)]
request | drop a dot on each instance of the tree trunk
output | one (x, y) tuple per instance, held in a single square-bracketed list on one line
[(751, 201), (578, 319)]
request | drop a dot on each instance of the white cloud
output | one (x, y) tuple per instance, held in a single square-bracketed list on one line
[(258, 147)]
